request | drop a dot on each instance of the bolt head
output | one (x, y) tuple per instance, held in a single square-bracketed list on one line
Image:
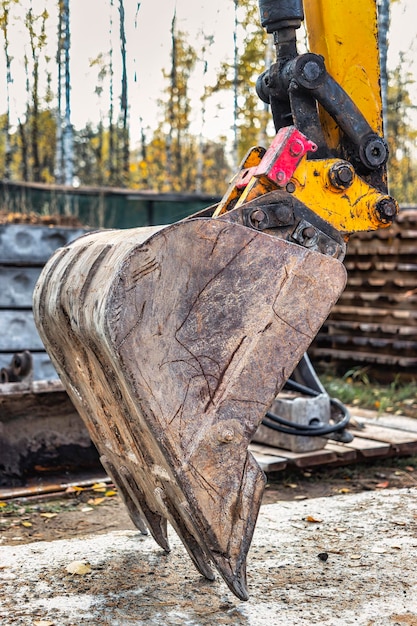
[(374, 152), (296, 148), (311, 71), (257, 215), (309, 232), (226, 435), (387, 209), (341, 175)]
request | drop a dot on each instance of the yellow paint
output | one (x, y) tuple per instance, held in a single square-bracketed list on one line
[(345, 33), (348, 210), (233, 194), (257, 186)]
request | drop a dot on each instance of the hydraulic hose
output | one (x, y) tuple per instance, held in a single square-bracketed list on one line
[(275, 422)]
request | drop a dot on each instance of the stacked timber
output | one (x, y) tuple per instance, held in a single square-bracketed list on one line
[(375, 320)]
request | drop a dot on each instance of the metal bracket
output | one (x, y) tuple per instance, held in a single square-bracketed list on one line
[(281, 158)]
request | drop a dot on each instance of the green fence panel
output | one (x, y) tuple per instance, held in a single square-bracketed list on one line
[(102, 207)]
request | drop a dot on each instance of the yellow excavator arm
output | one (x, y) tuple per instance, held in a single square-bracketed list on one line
[(345, 34), (332, 96), (174, 341)]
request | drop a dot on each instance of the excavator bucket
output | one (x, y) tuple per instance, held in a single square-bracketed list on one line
[(172, 343)]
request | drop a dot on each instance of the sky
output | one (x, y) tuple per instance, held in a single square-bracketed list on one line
[(149, 49), (148, 52)]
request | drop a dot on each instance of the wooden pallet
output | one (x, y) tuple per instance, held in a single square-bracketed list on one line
[(48, 405), (374, 438)]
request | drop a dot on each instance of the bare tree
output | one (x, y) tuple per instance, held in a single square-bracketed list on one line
[(64, 168), (124, 105), (59, 151), (68, 138), (112, 143), (173, 86), (37, 41), (383, 28), (4, 25)]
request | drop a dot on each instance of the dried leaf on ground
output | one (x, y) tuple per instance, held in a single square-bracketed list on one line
[(96, 501), (74, 489), (49, 515), (313, 520), (99, 487)]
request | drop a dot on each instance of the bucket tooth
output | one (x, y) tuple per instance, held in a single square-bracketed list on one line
[(157, 523), (134, 510), (233, 577), (172, 343), (231, 517), (192, 542)]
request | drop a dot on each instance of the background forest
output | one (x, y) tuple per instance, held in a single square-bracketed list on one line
[(40, 143)]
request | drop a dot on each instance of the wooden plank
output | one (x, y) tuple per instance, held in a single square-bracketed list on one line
[(47, 386), (300, 459), (368, 448), (25, 405), (343, 452), (308, 459), (388, 435), (270, 463), (397, 422), (19, 390), (260, 448), (402, 442)]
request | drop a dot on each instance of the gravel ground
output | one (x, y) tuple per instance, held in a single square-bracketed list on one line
[(349, 559)]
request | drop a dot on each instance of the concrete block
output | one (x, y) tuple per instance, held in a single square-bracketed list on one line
[(21, 244), (300, 410)]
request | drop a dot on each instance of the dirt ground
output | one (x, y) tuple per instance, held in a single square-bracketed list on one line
[(347, 560), (98, 509)]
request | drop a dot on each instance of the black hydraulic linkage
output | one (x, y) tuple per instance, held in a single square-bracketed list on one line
[(295, 84)]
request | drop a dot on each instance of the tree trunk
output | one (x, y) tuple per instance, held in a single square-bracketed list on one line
[(124, 107), (68, 140), (24, 153), (34, 130), (8, 58), (111, 158), (59, 152), (171, 107), (383, 28)]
